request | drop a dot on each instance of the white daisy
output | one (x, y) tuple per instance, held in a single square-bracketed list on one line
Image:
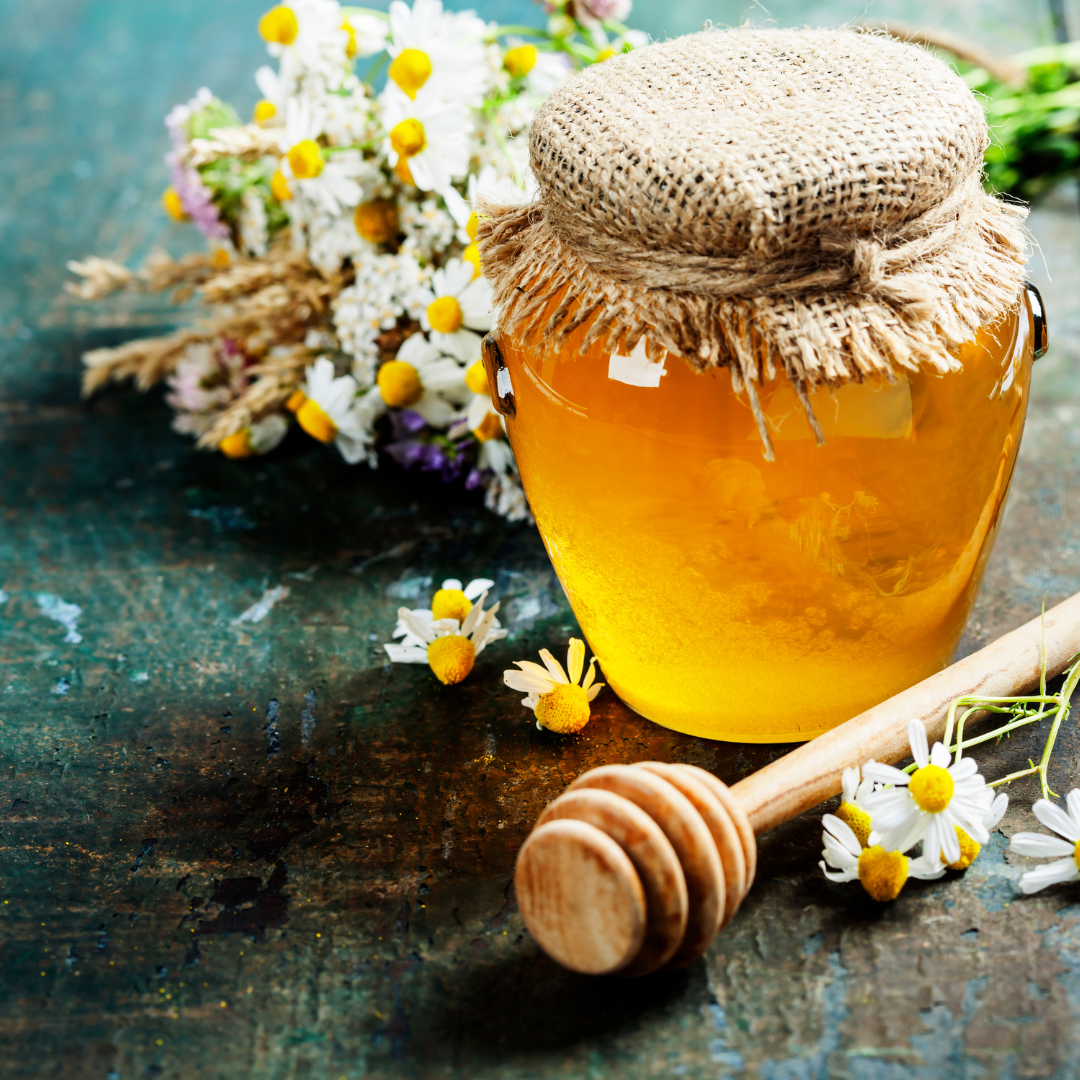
[(428, 139), (930, 804), (1040, 846), (438, 51), (367, 30), (995, 811), (541, 70), (493, 187), (329, 410), (557, 699), (456, 305), (448, 646), (424, 380), (881, 872), (852, 810), (307, 37), (328, 180), (452, 601), (259, 438)]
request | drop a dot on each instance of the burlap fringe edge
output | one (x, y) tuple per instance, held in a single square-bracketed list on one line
[(529, 265)]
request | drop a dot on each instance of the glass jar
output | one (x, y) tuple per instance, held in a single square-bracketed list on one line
[(739, 599)]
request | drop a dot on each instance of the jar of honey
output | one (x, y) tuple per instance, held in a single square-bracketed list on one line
[(767, 431)]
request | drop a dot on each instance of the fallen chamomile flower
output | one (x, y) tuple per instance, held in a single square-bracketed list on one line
[(1066, 823), (881, 871), (851, 810), (969, 849), (930, 804), (260, 437), (560, 703), (452, 601), (449, 647)]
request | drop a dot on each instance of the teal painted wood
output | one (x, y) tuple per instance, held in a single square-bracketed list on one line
[(190, 886)]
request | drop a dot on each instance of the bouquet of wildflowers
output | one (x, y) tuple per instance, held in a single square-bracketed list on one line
[(342, 276)]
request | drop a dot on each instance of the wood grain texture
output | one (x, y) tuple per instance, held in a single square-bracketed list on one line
[(581, 897), (654, 859), (1011, 665)]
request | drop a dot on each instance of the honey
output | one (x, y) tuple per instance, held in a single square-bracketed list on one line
[(734, 598)]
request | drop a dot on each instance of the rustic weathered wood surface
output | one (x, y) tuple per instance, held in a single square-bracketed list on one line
[(232, 849)]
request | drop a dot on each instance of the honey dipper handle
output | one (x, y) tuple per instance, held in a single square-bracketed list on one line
[(811, 774)]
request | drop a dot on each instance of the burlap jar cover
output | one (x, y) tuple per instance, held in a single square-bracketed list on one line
[(803, 200)]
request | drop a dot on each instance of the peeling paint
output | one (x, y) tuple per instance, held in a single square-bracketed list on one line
[(67, 615)]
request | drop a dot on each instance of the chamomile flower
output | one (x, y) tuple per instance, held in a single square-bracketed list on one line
[(447, 646), (306, 36), (969, 849), (486, 426), (427, 140), (260, 437), (456, 306), (451, 601), (328, 181), (930, 804), (329, 409), (424, 380), (367, 30), (437, 51), (1066, 823), (540, 69), (493, 187), (881, 870), (851, 810), (559, 700)]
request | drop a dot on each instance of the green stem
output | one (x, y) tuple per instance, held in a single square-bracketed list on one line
[(1073, 677), (1014, 776)]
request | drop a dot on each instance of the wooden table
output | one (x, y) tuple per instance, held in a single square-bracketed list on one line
[(255, 849)]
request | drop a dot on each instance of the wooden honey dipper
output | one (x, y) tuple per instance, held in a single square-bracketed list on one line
[(636, 867)]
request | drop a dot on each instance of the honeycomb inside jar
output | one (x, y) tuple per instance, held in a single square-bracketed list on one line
[(739, 599)]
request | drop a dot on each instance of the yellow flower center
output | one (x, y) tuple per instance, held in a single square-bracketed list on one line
[(931, 787), (403, 172), (969, 850), (564, 710), (220, 258), (377, 221), (451, 658), (279, 187), (472, 226), (306, 160), (445, 315), (315, 422), (408, 138), (521, 60), (882, 872), (490, 428), (1076, 855), (170, 199), (295, 400), (399, 384), (237, 445), (410, 70), (472, 255), (350, 45), (264, 110), (450, 604), (604, 54), (857, 820), (476, 378), (279, 25)]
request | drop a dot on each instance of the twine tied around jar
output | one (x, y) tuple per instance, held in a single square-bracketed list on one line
[(804, 201)]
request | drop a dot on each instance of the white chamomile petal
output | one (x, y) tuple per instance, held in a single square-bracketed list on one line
[(1040, 846), (476, 587), (1053, 817), (920, 751), (885, 774), (1051, 874)]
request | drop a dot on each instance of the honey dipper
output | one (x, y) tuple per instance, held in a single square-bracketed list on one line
[(636, 867)]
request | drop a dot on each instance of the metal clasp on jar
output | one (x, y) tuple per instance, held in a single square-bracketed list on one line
[(1038, 317), (498, 376)]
